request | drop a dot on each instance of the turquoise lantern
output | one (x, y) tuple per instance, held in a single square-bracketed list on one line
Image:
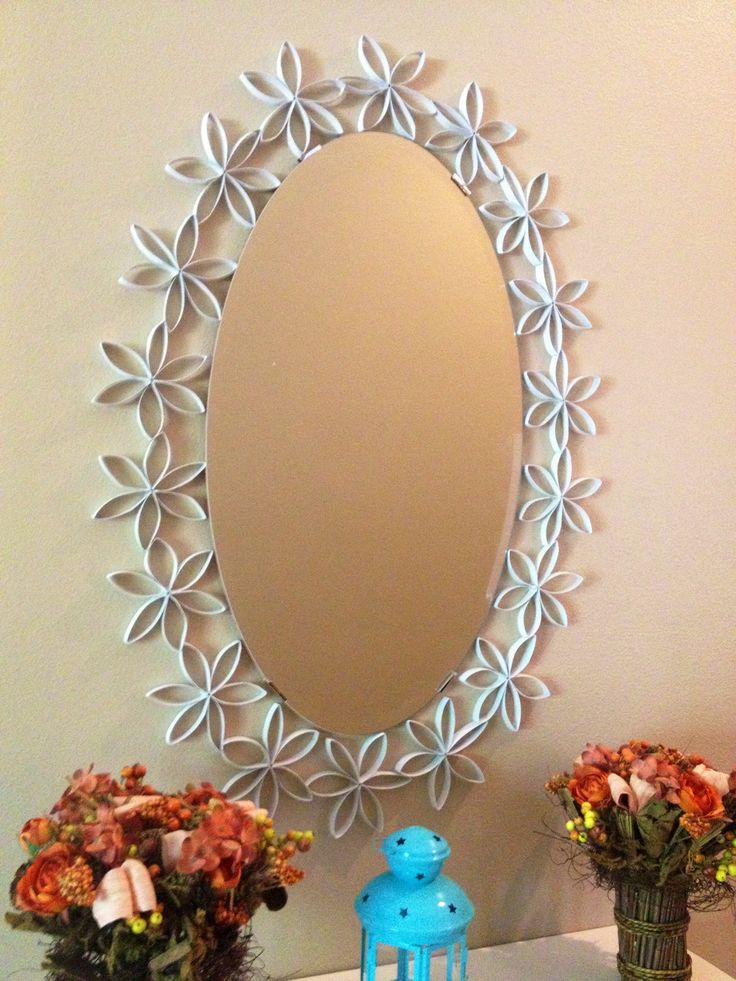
[(414, 909)]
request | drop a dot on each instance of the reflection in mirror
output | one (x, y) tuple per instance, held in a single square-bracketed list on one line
[(363, 432)]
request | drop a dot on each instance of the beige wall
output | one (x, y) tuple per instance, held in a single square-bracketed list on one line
[(630, 106)]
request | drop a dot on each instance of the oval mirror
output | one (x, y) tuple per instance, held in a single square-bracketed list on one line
[(363, 432)]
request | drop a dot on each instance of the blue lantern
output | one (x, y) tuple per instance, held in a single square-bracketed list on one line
[(414, 908)]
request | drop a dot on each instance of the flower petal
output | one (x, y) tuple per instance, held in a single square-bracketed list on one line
[(117, 507), (239, 203), (135, 583), (326, 92), (180, 398), (373, 60), (197, 601), (267, 88), (153, 247), (192, 170), (192, 569), (289, 66), (408, 68), (146, 277), (214, 140), (182, 506), (186, 722), (144, 620), (343, 814)]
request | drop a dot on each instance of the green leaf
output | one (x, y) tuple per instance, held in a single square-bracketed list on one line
[(657, 825), (170, 956), (673, 862), (72, 968), (24, 921)]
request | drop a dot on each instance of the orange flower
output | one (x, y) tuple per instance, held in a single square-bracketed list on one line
[(221, 845), (589, 783), (697, 797), (38, 890), (36, 833)]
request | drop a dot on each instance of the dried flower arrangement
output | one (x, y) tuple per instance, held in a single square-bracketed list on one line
[(138, 885)]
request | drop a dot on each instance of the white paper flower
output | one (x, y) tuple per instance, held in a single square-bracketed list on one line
[(558, 497), (223, 174), (177, 271), (150, 488), (503, 681), (205, 694), (469, 138), (296, 108), (557, 401), (549, 309), (152, 382), (275, 756), (387, 90), (536, 588), (521, 216), (354, 782), (168, 593), (441, 754)]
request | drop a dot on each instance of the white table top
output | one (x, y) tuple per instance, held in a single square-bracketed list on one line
[(589, 955)]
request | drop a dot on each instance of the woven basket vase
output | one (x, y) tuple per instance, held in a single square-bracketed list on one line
[(652, 933)]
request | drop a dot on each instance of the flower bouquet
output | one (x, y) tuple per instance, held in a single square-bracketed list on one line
[(137, 885), (658, 826)]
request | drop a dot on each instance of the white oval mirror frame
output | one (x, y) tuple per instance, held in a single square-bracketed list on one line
[(215, 690)]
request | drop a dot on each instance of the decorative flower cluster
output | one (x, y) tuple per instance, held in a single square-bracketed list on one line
[(132, 882), (651, 812)]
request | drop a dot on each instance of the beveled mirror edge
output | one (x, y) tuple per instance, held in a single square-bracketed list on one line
[(210, 688)]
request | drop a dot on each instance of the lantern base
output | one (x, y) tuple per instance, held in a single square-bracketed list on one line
[(418, 956)]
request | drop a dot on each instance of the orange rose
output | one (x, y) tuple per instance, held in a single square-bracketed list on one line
[(590, 784), (35, 834), (38, 889), (697, 797)]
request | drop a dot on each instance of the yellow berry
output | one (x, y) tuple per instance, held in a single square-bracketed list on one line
[(132, 851), (732, 868), (138, 924), (156, 918), (578, 822), (269, 833), (586, 806), (589, 821), (570, 825), (582, 837), (721, 875)]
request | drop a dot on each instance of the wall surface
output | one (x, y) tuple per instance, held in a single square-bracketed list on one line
[(629, 105)]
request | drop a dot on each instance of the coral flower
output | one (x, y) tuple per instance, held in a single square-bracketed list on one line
[(39, 889), (103, 839), (699, 798), (222, 845), (589, 783)]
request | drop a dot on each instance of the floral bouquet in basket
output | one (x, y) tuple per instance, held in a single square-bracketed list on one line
[(649, 814), (137, 885)]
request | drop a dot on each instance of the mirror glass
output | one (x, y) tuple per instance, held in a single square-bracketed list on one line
[(363, 432)]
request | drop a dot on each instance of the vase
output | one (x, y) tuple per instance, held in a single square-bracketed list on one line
[(652, 927)]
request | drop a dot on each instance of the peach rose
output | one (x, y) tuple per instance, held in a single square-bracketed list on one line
[(697, 797), (35, 834), (589, 783), (38, 889)]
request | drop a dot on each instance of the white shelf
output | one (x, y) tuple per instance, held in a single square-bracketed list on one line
[(586, 956)]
